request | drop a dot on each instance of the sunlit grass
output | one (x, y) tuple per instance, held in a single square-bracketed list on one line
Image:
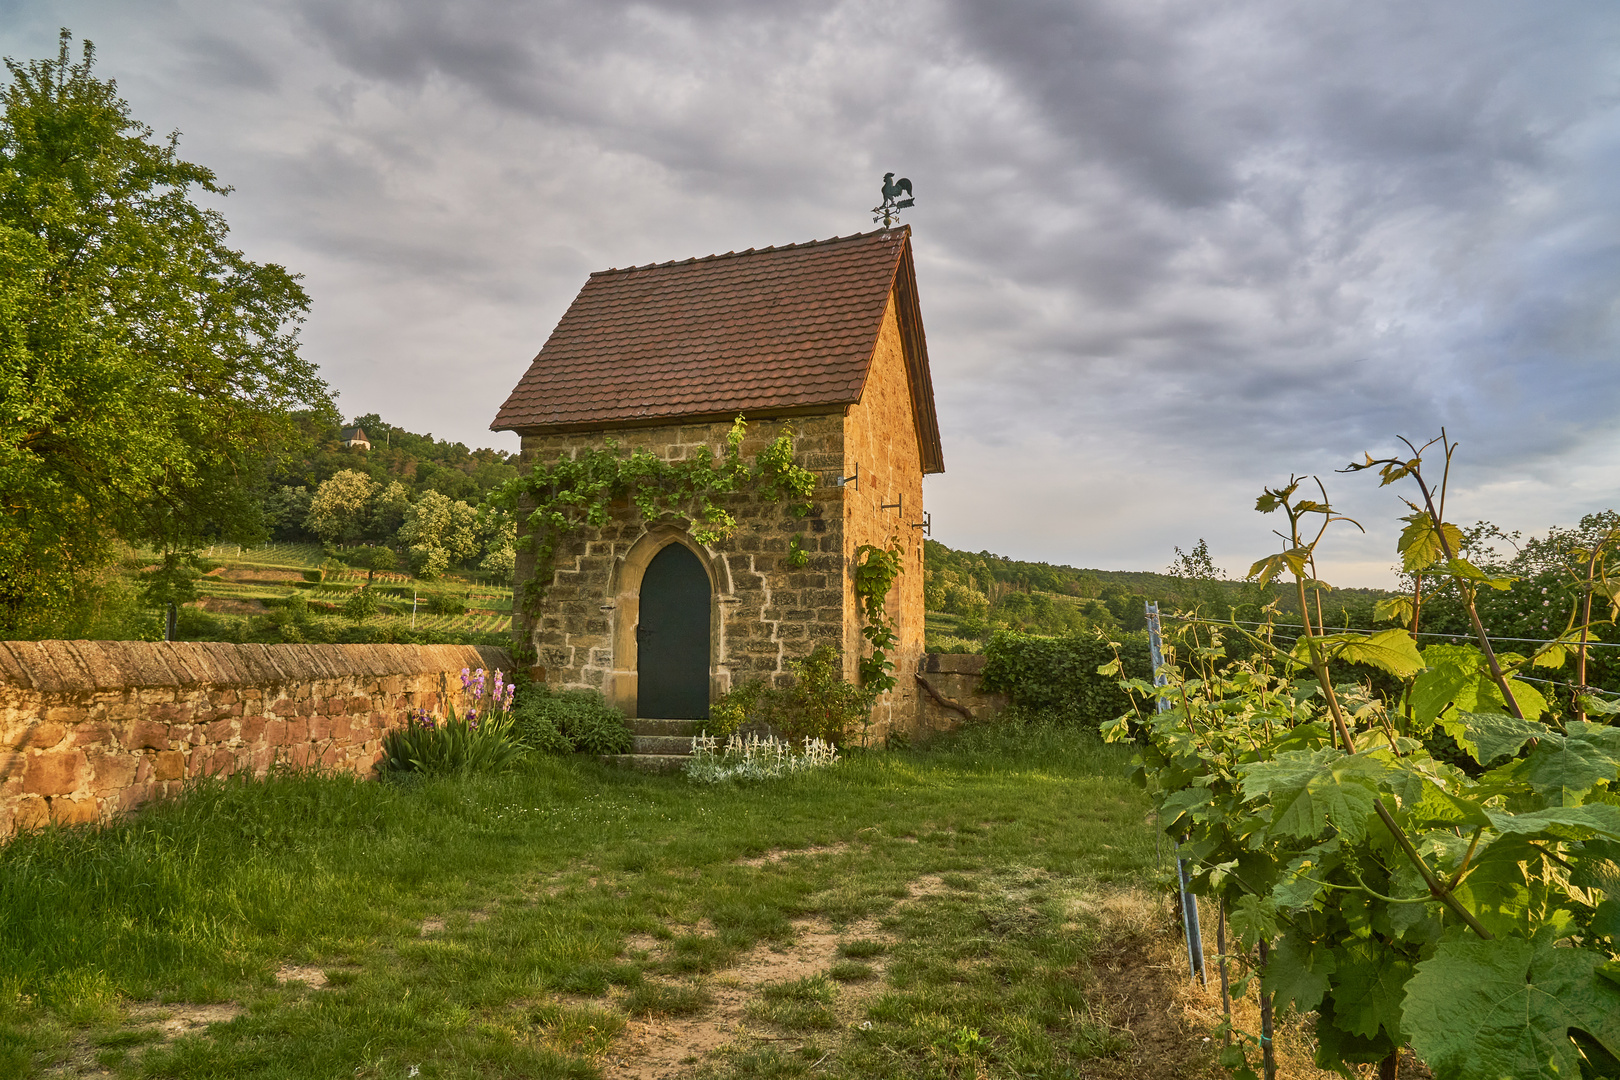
[(459, 916)]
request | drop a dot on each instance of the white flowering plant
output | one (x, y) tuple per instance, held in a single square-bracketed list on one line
[(754, 758)]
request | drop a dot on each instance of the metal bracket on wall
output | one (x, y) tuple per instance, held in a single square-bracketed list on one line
[(898, 504), (926, 524), (853, 479)]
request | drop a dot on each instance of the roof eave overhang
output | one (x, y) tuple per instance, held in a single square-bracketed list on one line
[(914, 343), (670, 419)]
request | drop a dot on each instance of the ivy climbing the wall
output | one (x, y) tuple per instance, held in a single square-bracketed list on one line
[(875, 571), (554, 500)]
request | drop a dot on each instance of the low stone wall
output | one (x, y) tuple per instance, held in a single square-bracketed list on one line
[(92, 728), (949, 690)]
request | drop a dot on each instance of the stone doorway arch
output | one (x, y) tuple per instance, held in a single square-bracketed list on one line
[(622, 686)]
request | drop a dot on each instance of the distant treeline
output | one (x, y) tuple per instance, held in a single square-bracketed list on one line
[(419, 463), (984, 592)]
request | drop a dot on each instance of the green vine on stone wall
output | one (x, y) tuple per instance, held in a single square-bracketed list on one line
[(875, 571), (554, 500)]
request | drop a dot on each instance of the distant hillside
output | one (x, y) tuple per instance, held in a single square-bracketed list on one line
[(969, 594)]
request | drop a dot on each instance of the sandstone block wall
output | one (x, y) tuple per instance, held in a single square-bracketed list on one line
[(766, 613), (92, 728), (880, 435), (957, 695)]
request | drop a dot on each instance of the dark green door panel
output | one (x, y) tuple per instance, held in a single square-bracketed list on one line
[(672, 638)]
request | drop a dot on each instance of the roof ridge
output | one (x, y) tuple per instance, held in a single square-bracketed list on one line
[(906, 229)]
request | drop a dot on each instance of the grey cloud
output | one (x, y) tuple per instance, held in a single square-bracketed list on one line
[(1183, 245), (220, 61)]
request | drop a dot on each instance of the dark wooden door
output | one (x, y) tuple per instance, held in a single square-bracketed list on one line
[(672, 638)]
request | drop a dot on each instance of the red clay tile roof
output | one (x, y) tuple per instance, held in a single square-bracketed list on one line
[(753, 332)]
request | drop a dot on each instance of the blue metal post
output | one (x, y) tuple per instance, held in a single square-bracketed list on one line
[(1189, 902)]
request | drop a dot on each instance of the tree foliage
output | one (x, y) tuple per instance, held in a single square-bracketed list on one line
[(145, 365)]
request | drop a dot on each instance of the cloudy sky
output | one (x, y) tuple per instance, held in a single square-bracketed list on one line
[(1169, 251)]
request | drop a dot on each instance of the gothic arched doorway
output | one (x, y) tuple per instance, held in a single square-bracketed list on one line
[(672, 638)]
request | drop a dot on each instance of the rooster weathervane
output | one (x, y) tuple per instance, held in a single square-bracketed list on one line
[(888, 211)]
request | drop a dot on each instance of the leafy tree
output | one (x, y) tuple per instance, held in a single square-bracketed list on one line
[(388, 512), (169, 584), (439, 532), (340, 512), (145, 365), (499, 530), (286, 512), (373, 559), (361, 605)]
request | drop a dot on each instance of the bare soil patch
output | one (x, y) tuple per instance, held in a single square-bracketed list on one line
[(257, 575), (779, 854), (225, 605), (312, 977), (177, 1019), (658, 1048)]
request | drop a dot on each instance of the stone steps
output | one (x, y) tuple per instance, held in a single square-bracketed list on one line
[(658, 746)]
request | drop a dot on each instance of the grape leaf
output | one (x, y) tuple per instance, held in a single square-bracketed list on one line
[(1186, 801), (1568, 767), (1599, 706), (1487, 1010), (1436, 805), (1368, 990), (1310, 790), (1452, 678), (1457, 675), (1253, 918), (1498, 888), (1561, 822), (1596, 865), (1420, 544), (1335, 1046), (1462, 568), (1606, 919), (1393, 609), (1300, 883), (1389, 650), (1297, 971), (1488, 736), (1530, 700)]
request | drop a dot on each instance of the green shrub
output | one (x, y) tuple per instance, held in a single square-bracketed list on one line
[(820, 704), (444, 603), (361, 606), (947, 643), (566, 721), (1059, 674)]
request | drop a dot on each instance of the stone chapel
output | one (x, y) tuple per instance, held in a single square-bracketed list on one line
[(823, 337)]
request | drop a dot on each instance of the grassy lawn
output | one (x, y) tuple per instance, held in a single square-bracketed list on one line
[(905, 914)]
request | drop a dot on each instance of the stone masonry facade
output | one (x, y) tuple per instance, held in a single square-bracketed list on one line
[(89, 729), (766, 613)]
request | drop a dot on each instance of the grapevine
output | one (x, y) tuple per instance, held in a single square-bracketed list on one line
[(1473, 915), (875, 572)]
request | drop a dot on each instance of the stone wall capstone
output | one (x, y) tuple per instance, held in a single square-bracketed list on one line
[(92, 728)]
